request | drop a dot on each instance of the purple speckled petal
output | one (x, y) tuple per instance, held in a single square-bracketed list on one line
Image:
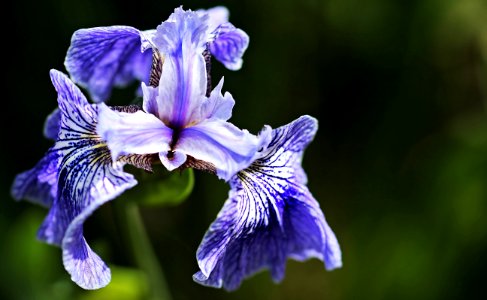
[(132, 133), (87, 179), (229, 46), (270, 216), (102, 57), (220, 143), (182, 40), (51, 125)]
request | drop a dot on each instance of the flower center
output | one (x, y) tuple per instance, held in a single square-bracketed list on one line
[(172, 147)]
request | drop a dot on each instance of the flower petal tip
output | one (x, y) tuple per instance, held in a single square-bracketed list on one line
[(88, 270), (173, 160)]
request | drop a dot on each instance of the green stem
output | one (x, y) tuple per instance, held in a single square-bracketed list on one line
[(143, 253)]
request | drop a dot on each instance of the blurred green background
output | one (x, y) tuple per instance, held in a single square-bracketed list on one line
[(399, 163)]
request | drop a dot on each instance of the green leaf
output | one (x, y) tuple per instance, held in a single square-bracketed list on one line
[(161, 187)]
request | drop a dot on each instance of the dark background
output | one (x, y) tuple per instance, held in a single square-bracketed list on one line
[(399, 164)]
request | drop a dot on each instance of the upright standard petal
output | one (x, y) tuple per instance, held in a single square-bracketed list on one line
[(229, 45), (183, 30), (179, 120), (270, 216), (216, 15), (182, 40), (87, 179), (102, 57)]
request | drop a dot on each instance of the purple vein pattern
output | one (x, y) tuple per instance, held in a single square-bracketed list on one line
[(270, 216), (103, 57), (178, 119), (76, 176)]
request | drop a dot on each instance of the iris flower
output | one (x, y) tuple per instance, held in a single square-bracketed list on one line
[(270, 214), (102, 57), (178, 121)]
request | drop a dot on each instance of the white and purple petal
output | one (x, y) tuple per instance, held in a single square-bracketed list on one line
[(87, 178), (132, 133), (228, 148), (270, 216), (100, 58), (172, 160), (150, 102), (217, 106), (182, 89), (228, 46), (182, 31), (103, 57), (39, 184), (216, 15), (182, 40)]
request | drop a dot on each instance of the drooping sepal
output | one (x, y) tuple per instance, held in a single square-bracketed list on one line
[(87, 178), (270, 216), (82, 191)]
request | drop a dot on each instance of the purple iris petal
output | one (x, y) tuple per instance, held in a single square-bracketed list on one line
[(217, 106), (216, 15), (150, 103), (51, 125), (102, 57), (182, 89), (183, 31), (181, 39), (82, 190), (229, 46), (179, 120), (136, 133), (38, 185), (220, 143), (270, 216), (87, 178), (172, 161)]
